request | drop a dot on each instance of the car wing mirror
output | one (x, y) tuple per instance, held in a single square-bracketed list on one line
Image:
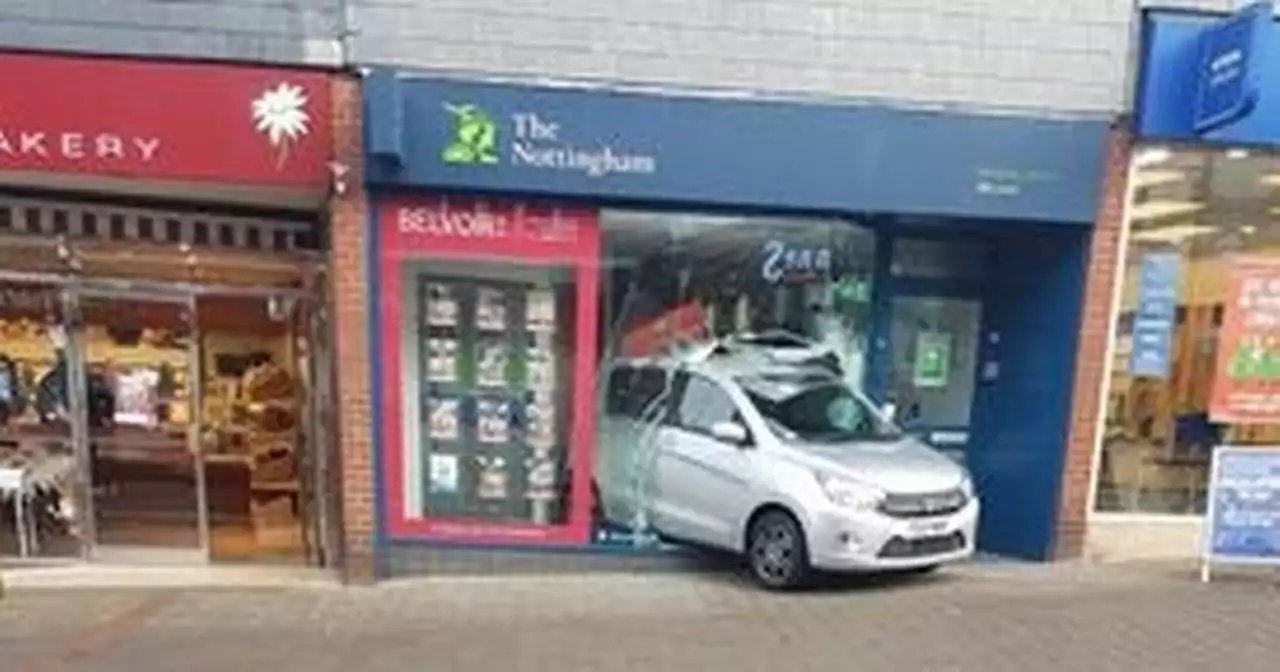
[(730, 432)]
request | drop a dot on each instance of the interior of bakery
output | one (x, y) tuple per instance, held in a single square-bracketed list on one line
[(159, 400)]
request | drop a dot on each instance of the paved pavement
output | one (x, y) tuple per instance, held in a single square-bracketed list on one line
[(987, 618)]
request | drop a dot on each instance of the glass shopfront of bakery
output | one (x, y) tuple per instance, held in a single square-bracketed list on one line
[(148, 416), (164, 348), (1192, 366), (540, 253)]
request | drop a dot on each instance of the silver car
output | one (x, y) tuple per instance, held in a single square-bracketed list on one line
[(758, 452)]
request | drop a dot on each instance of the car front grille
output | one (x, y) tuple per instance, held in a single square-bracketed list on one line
[(924, 505), (899, 548)]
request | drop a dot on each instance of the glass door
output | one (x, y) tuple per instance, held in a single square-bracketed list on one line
[(934, 346), (132, 376), (255, 445)]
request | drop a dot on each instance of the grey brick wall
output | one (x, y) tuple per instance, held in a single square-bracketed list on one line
[(274, 31), (1067, 56)]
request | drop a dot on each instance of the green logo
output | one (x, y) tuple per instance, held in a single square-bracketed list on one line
[(474, 138)]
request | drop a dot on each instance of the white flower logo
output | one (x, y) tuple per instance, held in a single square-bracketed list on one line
[(281, 113)]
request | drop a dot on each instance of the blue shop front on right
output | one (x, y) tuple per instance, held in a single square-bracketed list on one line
[(1192, 336), (939, 257)]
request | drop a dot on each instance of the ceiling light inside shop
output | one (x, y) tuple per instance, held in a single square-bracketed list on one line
[(1163, 208), (1154, 178), (1270, 179), (1237, 153), (1150, 156), (1174, 235)]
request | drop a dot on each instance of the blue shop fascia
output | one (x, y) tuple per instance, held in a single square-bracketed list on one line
[(939, 256)]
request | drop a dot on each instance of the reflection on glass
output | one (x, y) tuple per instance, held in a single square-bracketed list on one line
[(673, 279), (676, 280), (1207, 212), (138, 410), (38, 515)]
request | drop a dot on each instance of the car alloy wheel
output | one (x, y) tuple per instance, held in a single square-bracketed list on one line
[(776, 552)]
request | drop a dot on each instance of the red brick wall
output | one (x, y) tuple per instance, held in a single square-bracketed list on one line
[(351, 344), (1104, 248)]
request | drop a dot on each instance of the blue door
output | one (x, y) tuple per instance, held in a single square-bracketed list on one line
[(929, 336), (974, 342)]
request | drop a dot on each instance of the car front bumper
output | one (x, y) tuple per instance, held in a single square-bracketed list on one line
[(841, 540)]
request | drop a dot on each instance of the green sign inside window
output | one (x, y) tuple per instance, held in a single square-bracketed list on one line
[(933, 359)]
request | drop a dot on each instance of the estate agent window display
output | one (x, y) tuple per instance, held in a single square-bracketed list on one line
[(502, 322)]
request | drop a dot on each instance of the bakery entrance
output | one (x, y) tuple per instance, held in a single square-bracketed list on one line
[(132, 387), (193, 411), (164, 384)]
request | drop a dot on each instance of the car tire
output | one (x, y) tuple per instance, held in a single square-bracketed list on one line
[(777, 555)]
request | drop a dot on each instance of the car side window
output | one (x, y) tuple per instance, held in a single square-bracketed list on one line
[(633, 390), (615, 402), (649, 384), (703, 404)]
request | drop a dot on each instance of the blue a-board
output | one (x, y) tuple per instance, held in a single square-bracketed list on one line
[(1243, 521)]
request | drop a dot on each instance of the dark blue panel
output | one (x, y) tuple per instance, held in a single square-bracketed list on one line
[(1207, 77), (839, 158), (1020, 421)]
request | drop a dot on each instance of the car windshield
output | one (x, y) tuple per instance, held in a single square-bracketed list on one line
[(824, 412)]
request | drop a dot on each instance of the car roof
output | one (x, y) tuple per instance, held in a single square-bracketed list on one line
[(746, 369)]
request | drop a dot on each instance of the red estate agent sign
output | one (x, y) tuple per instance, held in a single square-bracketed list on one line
[(171, 121), (1246, 383), (511, 234)]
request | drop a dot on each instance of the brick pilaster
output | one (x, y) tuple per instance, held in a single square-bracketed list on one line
[(351, 316), (1095, 322)]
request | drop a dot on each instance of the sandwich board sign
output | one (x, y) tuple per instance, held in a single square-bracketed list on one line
[(1242, 525)]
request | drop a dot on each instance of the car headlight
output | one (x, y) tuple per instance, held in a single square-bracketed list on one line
[(966, 485), (849, 494)]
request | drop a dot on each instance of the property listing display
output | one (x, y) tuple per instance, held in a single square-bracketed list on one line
[(523, 349), (493, 400)]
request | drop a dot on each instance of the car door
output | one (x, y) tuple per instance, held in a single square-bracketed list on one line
[(635, 409), (703, 481)]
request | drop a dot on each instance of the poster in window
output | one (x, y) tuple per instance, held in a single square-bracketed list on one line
[(444, 472), (493, 420), (492, 362), (443, 418), (491, 309), (1246, 380), (1154, 317), (932, 365), (442, 305), (442, 360)]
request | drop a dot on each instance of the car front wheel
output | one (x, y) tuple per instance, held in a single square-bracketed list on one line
[(777, 555)]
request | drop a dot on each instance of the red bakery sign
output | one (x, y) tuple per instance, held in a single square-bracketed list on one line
[(171, 121)]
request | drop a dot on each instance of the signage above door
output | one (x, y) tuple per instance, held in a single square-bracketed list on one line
[(164, 121), (1208, 77), (436, 134)]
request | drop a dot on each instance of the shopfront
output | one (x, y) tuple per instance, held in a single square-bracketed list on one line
[(533, 248), (163, 348), (1192, 367)]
